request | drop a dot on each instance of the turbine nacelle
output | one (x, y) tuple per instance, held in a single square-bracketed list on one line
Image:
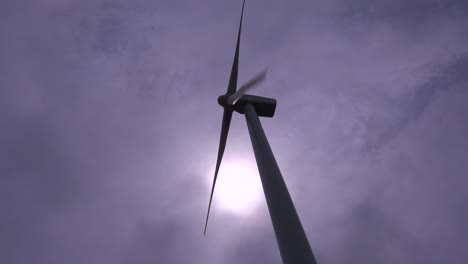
[(264, 106)]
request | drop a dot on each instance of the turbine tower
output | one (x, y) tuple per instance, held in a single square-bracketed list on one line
[(290, 236)]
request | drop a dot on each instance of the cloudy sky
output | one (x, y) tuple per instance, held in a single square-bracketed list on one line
[(109, 129)]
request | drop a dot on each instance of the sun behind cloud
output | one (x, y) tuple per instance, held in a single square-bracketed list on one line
[(238, 187)]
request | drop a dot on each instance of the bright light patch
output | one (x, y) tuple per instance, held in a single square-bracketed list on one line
[(238, 187)]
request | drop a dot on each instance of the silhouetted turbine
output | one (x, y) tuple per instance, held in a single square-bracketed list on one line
[(290, 236)]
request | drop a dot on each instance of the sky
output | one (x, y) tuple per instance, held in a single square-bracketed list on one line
[(109, 128)]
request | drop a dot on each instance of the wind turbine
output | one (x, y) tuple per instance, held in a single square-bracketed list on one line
[(290, 236)]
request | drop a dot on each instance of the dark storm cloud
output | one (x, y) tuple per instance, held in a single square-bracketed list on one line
[(109, 128)]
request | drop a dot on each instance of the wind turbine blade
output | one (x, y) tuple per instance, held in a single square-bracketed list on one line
[(235, 64), (222, 145), (247, 86)]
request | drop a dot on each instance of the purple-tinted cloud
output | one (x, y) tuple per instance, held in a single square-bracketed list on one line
[(109, 128)]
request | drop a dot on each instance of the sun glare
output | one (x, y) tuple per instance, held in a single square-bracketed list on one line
[(238, 187)]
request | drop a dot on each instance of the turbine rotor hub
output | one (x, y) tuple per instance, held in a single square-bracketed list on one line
[(222, 100)]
